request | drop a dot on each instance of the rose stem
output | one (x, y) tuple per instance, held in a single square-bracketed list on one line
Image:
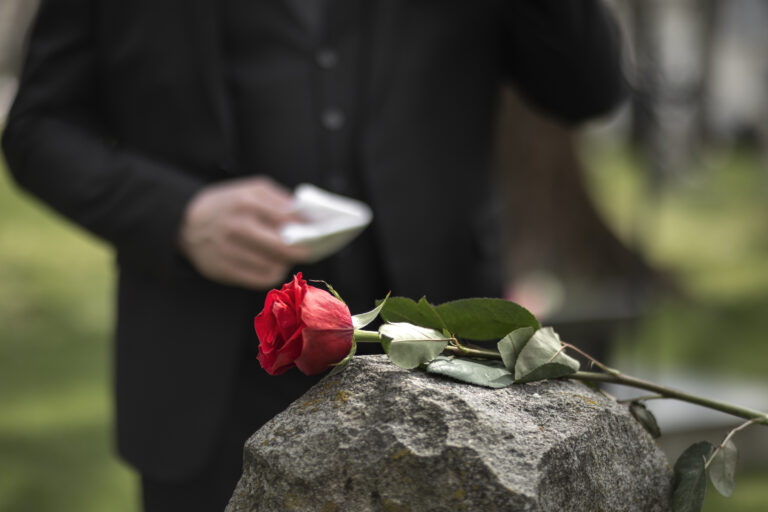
[(472, 352), (615, 377), (640, 399), (374, 337), (626, 380), (727, 438), (367, 336)]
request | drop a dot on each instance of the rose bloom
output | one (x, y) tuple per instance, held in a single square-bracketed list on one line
[(302, 326)]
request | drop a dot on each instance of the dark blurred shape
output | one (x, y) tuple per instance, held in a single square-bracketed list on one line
[(699, 77), (562, 259)]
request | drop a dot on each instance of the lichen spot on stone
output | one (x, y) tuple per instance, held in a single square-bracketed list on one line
[(587, 400), (393, 506), (329, 385), (400, 454), (330, 507), (310, 403), (293, 502)]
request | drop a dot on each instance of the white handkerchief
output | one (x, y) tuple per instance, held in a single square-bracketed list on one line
[(332, 221)]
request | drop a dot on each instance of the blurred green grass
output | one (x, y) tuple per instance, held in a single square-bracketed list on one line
[(56, 288), (709, 230), (750, 495), (56, 296)]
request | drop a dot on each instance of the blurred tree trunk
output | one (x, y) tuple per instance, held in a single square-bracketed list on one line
[(554, 232), (646, 76), (15, 17), (552, 222), (709, 11)]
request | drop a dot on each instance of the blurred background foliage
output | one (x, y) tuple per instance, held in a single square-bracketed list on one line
[(710, 232), (56, 288)]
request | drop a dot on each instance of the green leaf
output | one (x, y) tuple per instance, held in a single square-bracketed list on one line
[(385, 342), (473, 319), (542, 358), (339, 367), (645, 418), (481, 372), (331, 289), (410, 346), (403, 309), (690, 481), (512, 344), (722, 469), (484, 318), (363, 319), (429, 313)]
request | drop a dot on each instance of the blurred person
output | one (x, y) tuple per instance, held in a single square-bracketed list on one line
[(176, 130)]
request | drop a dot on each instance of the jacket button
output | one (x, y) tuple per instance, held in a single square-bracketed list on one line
[(333, 119), (337, 183), (326, 58)]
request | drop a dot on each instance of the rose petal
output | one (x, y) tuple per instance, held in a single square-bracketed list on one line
[(268, 362), (289, 351), (322, 311), (322, 348), (265, 325), (277, 361), (296, 289), (287, 320)]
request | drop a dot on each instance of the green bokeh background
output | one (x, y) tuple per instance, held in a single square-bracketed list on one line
[(56, 297)]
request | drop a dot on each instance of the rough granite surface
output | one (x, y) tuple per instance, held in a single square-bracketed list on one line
[(378, 438)]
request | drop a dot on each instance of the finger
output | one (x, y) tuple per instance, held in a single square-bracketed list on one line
[(269, 202), (239, 266), (243, 257), (274, 214), (263, 239), (255, 270), (271, 194), (260, 281)]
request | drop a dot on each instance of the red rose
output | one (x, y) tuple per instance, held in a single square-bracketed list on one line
[(302, 326)]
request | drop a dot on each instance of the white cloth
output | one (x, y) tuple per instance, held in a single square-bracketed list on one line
[(332, 221)]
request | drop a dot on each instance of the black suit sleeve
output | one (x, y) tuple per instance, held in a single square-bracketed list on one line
[(57, 147), (564, 56)]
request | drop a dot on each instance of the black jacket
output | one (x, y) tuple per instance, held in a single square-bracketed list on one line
[(123, 113)]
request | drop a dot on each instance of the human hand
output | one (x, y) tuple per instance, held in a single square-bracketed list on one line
[(230, 232)]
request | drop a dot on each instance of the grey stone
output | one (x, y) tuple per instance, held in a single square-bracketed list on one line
[(378, 438)]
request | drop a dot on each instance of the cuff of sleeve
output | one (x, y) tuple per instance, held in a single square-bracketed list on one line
[(151, 243)]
